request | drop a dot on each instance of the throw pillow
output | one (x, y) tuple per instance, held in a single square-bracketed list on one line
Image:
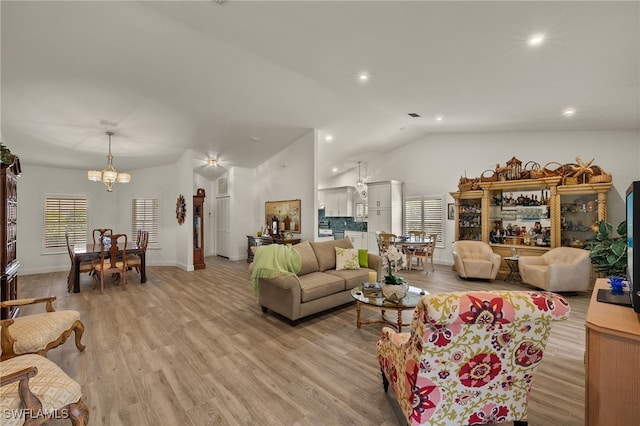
[(363, 258), (346, 259)]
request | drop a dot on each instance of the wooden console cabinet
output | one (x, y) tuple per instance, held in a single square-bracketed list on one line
[(253, 241), (612, 360)]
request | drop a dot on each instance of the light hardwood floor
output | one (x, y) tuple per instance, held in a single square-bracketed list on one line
[(194, 348)]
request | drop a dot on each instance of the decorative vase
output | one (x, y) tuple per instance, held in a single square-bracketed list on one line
[(395, 292)]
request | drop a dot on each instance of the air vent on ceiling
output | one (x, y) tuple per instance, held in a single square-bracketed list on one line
[(414, 115)]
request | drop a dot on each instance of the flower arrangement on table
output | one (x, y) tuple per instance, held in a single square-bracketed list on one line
[(393, 259)]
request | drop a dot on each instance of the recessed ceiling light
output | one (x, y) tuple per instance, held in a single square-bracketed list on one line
[(569, 112), (254, 138), (334, 170), (439, 118), (328, 138), (413, 114), (536, 40), (363, 76)]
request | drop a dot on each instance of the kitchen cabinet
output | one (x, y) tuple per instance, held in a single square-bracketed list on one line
[(338, 202), (358, 239), (384, 210)]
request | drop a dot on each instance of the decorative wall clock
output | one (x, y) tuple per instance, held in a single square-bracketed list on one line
[(181, 209)]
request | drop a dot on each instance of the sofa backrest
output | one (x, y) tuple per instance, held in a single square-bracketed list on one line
[(565, 255), (326, 252), (308, 257)]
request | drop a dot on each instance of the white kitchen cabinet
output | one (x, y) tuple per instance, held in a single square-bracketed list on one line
[(384, 194), (358, 239), (338, 202)]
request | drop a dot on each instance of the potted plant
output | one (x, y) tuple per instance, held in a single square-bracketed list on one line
[(394, 288), (609, 252)]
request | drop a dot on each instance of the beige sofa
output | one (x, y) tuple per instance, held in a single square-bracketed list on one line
[(475, 259), (564, 269), (318, 286)]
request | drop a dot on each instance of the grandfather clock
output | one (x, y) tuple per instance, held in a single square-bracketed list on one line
[(198, 230)]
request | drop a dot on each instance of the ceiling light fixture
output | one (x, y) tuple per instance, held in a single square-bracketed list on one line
[(334, 169), (360, 182), (439, 118), (213, 162), (108, 176), (536, 40), (569, 112), (328, 138), (363, 77)]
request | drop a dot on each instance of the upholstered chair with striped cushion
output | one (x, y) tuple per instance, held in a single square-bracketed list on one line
[(470, 356), (36, 334), (34, 390)]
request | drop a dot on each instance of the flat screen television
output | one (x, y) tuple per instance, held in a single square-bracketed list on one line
[(633, 236)]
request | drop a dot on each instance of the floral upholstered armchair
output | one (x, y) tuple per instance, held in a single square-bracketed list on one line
[(470, 356)]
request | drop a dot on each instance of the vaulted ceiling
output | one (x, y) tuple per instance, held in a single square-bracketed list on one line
[(240, 80)]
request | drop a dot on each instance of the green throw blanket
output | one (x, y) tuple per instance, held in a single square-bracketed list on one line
[(273, 261)]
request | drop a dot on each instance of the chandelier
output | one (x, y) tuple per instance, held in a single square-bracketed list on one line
[(360, 183), (108, 176)]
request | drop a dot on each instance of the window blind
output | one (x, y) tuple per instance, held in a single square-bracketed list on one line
[(424, 214), (65, 214), (145, 217)]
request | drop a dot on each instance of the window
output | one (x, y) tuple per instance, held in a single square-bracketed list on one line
[(64, 214), (144, 217), (424, 214)]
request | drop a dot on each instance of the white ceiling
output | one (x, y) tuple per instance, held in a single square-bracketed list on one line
[(174, 75)]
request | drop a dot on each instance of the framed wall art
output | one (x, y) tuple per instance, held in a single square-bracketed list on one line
[(286, 214)]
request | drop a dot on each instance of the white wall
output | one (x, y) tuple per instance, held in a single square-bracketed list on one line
[(433, 165), (106, 209), (288, 175)]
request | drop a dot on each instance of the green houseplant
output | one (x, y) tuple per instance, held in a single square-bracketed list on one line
[(609, 252)]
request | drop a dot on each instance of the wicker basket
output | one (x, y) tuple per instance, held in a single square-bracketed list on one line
[(599, 175), (493, 177), (532, 170)]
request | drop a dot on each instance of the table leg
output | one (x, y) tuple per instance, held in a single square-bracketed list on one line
[(76, 274), (399, 320), (358, 323), (143, 267)]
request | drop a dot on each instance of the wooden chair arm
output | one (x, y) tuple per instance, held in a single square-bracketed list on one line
[(23, 302), (30, 402), (6, 340)]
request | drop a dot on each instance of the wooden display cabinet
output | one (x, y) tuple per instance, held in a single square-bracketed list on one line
[(542, 204), (9, 174), (198, 230), (468, 215)]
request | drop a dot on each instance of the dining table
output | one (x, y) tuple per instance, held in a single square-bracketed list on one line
[(409, 245), (90, 251)]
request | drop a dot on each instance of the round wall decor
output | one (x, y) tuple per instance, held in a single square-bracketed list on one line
[(181, 209)]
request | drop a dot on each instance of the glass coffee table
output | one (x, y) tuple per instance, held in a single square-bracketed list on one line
[(377, 300)]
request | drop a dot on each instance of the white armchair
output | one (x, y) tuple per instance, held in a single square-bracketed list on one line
[(563, 269), (475, 259)]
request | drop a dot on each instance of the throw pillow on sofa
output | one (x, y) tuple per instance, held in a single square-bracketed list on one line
[(347, 259)]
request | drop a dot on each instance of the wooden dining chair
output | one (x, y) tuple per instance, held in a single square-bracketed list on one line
[(98, 233), (425, 253), (113, 259), (386, 240), (85, 266), (417, 236), (135, 260)]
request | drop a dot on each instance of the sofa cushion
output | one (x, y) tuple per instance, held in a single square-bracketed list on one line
[(352, 277), (346, 259), (317, 284), (308, 257), (326, 253)]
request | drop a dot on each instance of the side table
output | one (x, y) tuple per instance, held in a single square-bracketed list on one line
[(514, 270)]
